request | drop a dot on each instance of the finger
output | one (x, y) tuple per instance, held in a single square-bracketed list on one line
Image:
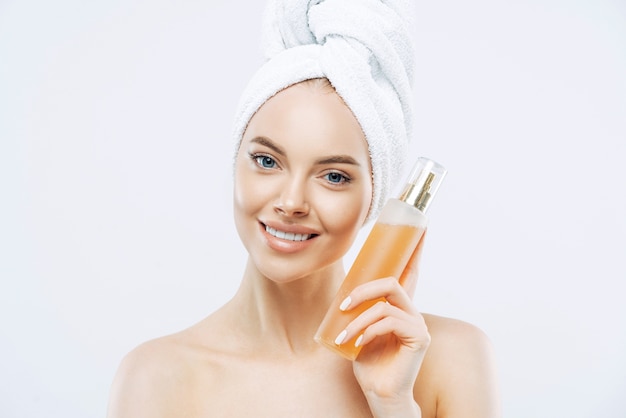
[(382, 319), (388, 288), (411, 334)]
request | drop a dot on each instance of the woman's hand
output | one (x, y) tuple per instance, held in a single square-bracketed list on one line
[(394, 339)]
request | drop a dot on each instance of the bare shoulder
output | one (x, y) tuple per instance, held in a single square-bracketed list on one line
[(460, 367), (159, 377), (148, 378), (447, 333)]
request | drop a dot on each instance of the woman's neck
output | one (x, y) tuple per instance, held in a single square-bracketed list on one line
[(285, 316)]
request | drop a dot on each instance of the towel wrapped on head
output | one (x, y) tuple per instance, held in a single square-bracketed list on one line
[(364, 48)]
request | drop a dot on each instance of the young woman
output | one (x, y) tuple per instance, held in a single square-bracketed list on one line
[(306, 180)]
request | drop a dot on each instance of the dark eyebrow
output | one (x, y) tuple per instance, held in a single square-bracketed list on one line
[(333, 159), (268, 143), (338, 159)]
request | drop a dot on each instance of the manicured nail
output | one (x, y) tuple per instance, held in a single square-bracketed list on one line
[(341, 337), (358, 341), (346, 302)]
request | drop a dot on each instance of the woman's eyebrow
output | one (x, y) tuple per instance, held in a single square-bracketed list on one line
[(268, 143), (332, 159), (338, 159)]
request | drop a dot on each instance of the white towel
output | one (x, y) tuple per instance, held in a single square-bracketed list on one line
[(364, 48)]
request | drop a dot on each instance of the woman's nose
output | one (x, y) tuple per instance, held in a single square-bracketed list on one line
[(292, 200)]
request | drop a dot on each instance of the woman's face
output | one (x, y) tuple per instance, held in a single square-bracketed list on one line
[(302, 182)]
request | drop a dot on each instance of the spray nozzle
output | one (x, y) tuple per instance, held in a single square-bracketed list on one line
[(423, 183)]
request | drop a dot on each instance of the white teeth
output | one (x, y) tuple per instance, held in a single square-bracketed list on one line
[(290, 236)]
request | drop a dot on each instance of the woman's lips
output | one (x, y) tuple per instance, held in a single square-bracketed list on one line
[(287, 241), (289, 236)]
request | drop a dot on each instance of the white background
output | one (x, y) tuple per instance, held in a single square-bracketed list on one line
[(115, 179)]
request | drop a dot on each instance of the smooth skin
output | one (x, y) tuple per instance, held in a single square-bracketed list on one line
[(303, 169)]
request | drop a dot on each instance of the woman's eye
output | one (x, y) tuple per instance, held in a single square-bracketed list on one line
[(265, 161), (336, 178)]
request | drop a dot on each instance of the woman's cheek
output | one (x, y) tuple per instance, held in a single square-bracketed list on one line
[(345, 212)]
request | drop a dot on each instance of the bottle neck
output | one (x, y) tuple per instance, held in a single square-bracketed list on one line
[(418, 194)]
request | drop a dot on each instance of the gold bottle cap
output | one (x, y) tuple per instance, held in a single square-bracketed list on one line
[(423, 183)]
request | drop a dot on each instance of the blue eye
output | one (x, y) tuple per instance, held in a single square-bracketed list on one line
[(264, 161), (336, 178)]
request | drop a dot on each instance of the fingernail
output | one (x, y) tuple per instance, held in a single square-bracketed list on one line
[(346, 302), (341, 337), (358, 341)]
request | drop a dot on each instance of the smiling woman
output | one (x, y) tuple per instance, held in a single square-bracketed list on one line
[(302, 168), (321, 135)]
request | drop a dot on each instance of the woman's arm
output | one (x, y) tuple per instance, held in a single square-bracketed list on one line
[(395, 340)]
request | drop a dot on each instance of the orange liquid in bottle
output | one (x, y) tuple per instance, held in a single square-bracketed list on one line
[(385, 253)]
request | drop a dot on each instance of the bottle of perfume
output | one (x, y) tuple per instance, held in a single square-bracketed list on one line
[(385, 252)]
